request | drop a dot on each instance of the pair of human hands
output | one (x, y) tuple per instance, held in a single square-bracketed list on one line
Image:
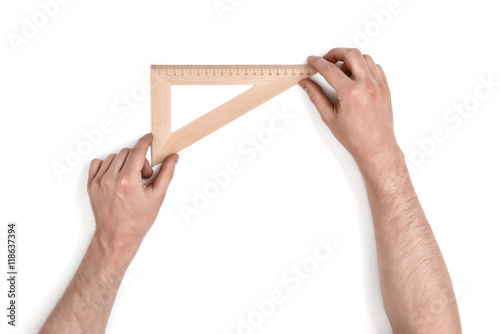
[(125, 207)]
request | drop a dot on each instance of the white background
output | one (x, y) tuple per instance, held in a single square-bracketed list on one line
[(200, 277)]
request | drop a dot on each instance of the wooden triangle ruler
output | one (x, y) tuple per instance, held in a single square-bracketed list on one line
[(267, 80)]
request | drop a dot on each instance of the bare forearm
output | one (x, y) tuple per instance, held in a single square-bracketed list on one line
[(416, 287), (124, 208), (86, 305)]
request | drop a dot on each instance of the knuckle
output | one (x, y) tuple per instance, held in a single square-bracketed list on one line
[(371, 85), (373, 93), (330, 67), (372, 90), (107, 181), (134, 150), (367, 56), (123, 181), (313, 97), (353, 52), (95, 162), (144, 139), (353, 91), (319, 64), (380, 70), (385, 89), (125, 150)]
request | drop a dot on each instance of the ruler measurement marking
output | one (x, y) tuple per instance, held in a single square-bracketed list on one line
[(231, 71)]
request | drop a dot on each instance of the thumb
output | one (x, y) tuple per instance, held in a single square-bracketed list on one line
[(165, 175), (322, 103)]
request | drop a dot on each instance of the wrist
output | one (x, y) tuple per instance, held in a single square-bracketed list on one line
[(115, 253), (382, 164)]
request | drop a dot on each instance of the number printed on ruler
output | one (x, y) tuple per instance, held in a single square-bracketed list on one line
[(11, 274)]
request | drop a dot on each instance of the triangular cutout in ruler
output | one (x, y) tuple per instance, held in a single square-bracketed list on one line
[(192, 101), (267, 80)]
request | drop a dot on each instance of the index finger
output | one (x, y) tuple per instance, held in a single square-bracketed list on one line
[(351, 57), (135, 159), (332, 74)]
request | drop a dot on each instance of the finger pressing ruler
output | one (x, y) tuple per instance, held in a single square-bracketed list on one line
[(267, 81)]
